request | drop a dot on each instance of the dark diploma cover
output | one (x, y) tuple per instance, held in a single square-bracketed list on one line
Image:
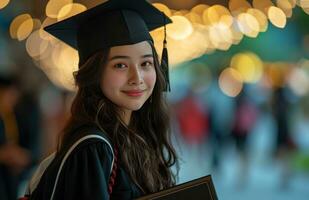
[(198, 189)]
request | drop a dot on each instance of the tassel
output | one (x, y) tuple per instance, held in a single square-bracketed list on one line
[(164, 61)]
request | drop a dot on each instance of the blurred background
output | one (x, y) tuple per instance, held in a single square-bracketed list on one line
[(239, 91)]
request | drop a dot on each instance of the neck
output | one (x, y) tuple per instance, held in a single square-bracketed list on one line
[(126, 117)]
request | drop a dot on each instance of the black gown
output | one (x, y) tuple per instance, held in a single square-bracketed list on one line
[(85, 174)]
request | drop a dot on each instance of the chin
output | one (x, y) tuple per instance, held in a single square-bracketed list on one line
[(134, 107)]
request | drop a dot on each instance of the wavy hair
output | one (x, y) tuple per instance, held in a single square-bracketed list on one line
[(145, 144)]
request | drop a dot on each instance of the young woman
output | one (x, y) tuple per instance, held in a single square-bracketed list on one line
[(120, 99)]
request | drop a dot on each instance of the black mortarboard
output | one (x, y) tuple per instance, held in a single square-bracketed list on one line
[(113, 23)]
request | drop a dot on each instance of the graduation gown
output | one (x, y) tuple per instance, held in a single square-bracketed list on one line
[(86, 173)]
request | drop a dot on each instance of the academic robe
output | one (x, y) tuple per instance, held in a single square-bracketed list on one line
[(86, 173)]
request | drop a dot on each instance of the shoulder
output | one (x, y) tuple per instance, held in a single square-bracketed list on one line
[(86, 137), (89, 159), (90, 144), (86, 165)]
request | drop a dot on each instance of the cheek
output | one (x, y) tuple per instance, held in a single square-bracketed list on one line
[(151, 78), (111, 81)]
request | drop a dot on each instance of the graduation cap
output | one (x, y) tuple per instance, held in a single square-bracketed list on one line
[(113, 23)]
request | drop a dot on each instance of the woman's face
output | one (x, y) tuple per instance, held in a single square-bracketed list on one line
[(129, 76)]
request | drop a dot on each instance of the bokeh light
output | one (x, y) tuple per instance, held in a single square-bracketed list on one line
[(262, 5), (21, 26), (70, 10), (35, 45), (4, 3), (54, 6), (277, 17), (249, 66), (230, 82), (180, 29), (220, 36), (25, 29), (298, 81), (217, 14), (47, 21), (286, 7), (194, 18), (163, 8), (199, 9), (238, 6), (248, 25), (260, 17)]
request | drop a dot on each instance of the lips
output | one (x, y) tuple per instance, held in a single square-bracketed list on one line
[(134, 93)]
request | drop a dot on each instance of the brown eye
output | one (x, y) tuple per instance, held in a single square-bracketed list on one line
[(147, 64), (120, 65)]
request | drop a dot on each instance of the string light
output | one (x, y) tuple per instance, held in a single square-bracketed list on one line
[(203, 29)]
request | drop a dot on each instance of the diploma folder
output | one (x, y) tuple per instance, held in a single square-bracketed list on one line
[(198, 189)]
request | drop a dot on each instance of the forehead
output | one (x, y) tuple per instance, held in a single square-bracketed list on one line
[(141, 48)]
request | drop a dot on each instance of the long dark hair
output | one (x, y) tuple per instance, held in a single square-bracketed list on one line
[(145, 144)]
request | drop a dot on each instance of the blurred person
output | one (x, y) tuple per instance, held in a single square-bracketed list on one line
[(18, 130), (243, 123), (301, 136), (284, 142), (116, 143), (221, 113), (192, 119)]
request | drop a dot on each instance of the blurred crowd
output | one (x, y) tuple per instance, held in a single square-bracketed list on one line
[(204, 118)]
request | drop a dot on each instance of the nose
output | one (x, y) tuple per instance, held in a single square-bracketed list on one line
[(135, 76)]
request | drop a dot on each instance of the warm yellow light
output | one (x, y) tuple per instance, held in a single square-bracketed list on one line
[(181, 12), (286, 7), (298, 81), (69, 59), (293, 3), (277, 17), (163, 8), (199, 9), (158, 34), (277, 74), (70, 10), (194, 18), (53, 75), (36, 24), (217, 14), (249, 66), (192, 47), (303, 3), (230, 82), (35, 45), (197, 43), (180, 29), (238, 6), (17, 23), (236, 34), (220, 36), (48, 21), (54, 6), (260, 17), (262, 5), (4, 3), (25, 29), (63, 62), (248, 25)]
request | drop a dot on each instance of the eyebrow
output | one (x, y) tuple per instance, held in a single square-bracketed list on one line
[(127, 57)]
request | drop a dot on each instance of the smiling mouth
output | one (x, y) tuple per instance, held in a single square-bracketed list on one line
[(134, 93)]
